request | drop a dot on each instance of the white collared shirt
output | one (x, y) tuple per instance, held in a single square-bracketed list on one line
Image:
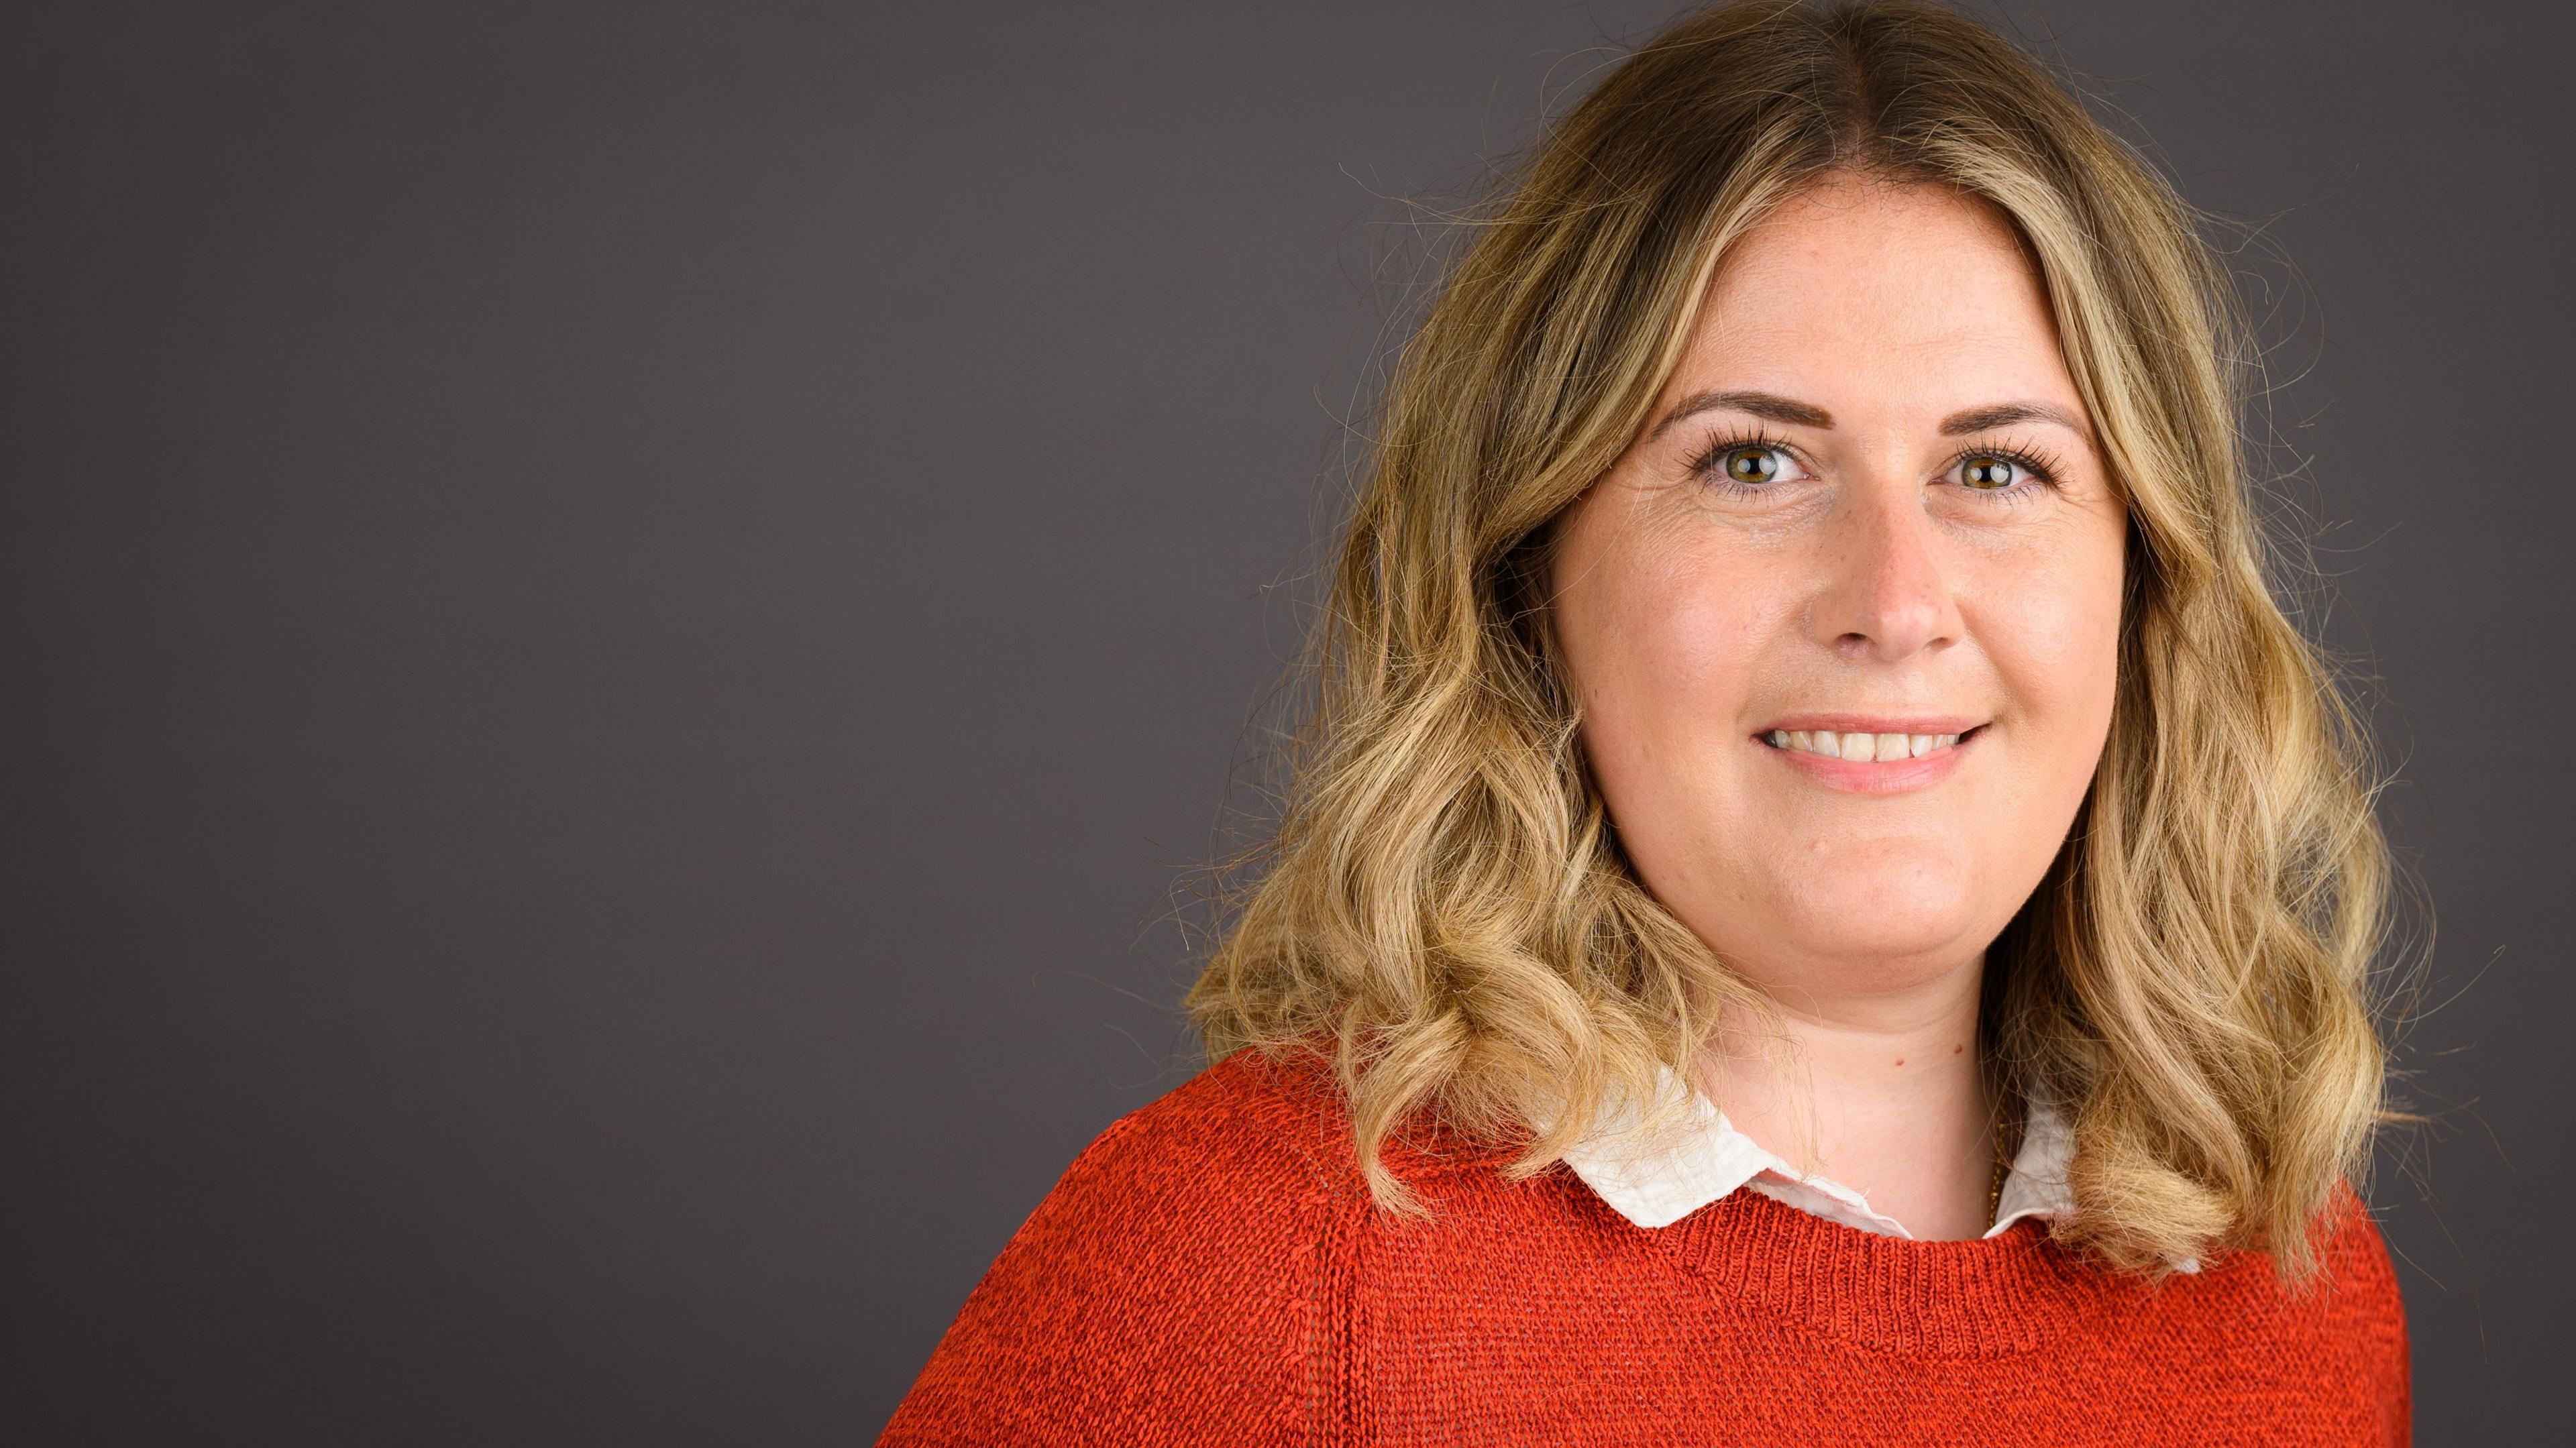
[(1655, 1179)]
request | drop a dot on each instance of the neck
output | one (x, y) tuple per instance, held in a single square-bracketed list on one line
[(1882, 1092)]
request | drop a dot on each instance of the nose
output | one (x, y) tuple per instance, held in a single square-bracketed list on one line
[(1884, 593)]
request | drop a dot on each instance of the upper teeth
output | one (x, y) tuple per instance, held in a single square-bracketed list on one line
[(1860, 746)]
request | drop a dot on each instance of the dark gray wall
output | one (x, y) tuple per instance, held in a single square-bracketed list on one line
[(614, 620)]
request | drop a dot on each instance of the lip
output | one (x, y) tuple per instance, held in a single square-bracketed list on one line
[(1894, 776), (1877, 724)]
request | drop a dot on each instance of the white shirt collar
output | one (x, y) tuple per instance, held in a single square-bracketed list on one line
[(1656, 1178)]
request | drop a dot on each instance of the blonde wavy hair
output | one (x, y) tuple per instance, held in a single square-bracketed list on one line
[(1443, 908)]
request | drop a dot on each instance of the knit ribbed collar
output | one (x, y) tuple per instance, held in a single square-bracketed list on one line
[(1655, 1177)]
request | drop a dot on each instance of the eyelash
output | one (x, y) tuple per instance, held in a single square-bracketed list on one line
[(2042, 467)]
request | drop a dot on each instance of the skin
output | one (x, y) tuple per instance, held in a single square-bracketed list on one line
[(1863, 576)]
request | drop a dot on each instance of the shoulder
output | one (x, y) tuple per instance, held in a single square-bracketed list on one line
[(1167, 1284), (2335, 1342), (2354, 1297), (2359, 1299), (2354, 1319), (1251, 1144), (1246, 1118)]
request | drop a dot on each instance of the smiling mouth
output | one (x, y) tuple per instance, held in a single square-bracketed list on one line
[(1861, 748)]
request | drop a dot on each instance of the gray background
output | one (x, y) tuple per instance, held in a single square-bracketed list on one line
[(616, 619)]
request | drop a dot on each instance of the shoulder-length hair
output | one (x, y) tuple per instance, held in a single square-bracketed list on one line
[(1444, 903)]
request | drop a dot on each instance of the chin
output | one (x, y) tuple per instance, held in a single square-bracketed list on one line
[(1874, 931), (1871, 961)]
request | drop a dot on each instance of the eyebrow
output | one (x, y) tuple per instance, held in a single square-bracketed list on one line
[(1760, 404), (2005, 414), (1799, 414)]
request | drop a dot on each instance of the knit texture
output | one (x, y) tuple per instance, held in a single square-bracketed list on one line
[(1210, 1271)]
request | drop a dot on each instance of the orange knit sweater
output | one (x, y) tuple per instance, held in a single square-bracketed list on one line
[(1209, 1271)]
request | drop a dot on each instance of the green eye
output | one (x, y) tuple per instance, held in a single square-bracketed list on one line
[(1752, 464), (1991, 473)]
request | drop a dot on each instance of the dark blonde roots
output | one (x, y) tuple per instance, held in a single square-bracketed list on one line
[(1442, 904)]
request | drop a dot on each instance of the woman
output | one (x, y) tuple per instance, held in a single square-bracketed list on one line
[(1823, 897)]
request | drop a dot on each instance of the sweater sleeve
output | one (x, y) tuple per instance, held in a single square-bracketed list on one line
[(1165, 1292)]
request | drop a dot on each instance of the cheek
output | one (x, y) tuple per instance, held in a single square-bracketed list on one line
[(2053, 633), (1679, 646)]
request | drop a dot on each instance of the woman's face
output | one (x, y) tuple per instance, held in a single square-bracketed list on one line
[(1844, 617)]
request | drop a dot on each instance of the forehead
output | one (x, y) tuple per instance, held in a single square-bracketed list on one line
[(1872, 287)]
